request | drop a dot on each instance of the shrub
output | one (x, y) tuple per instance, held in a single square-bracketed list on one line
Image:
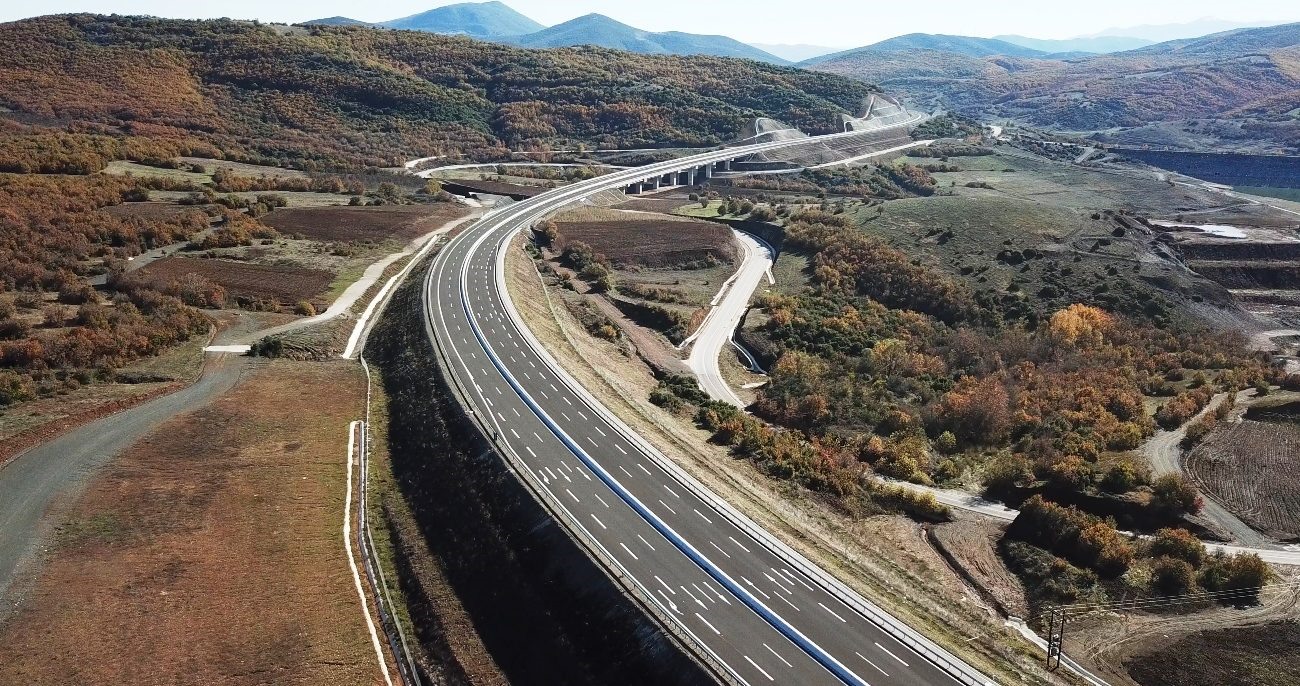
[(1177, 544), (1175, 494), (304, 308)]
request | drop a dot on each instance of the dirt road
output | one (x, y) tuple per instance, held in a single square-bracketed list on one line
[(54, 473)]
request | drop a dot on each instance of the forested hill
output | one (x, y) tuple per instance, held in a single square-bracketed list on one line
[(76, 90)]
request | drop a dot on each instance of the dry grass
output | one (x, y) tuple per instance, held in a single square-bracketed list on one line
[(883, 558), (211, 552)]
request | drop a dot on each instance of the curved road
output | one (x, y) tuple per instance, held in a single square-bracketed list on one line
[(753, 608), (720, 325)]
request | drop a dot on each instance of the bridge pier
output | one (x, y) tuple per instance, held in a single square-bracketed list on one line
[(706, 170), (652, 183), (668, 179), (633, 189), (686, 178)]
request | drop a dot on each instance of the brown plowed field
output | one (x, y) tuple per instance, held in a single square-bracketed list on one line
[(345, 223), (652, 242), (285, 285), (1253, 468), (150, 210)]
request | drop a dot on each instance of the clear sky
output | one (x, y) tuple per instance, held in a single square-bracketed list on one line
[(820, 22)]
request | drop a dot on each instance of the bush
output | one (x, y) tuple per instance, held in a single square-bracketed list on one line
[(270, 346), (1177, 544), (1175, 494), (1170, 576), (304, 308)]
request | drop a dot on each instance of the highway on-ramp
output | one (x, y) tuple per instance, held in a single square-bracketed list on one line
[(753, 609)]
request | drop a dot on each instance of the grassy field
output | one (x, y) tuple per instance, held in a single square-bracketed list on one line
[(210, 552)]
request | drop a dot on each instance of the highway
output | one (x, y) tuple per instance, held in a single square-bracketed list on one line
[(755, 610)]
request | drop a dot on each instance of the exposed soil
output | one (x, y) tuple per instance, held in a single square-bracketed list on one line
[(1265, 655), (1253, 468), (209, 553), (149, 210), (363, 223), (651, 241), (282, 284), (971, 543)]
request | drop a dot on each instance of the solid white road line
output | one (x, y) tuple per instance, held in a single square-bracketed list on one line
[(352, 560)]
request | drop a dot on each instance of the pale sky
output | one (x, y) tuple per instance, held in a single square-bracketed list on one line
[(836, 24)]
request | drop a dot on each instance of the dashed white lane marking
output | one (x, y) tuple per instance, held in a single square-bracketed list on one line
[(701, 514), (666, 586), (516, 433), (629, 474), (647, 543), (738, 543), (592, 441), (602, 524), (539, 438), (697, 600), (756, 588), (661, 502), (516, 412), (530, 451), (792, 605), (565, 398), (833, 614), (571, 495), (620, 448), (647, 471), (787, 573), (597, 428), (629, 551), (602, 500), (715, 545), (778, 655), (549, 472), (566, 417), (715, 630), (900, 660), (878, 669), (764, 671), (672, 491)]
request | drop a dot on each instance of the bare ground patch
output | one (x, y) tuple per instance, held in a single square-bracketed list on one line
[(346, 223), (1253, 468), (209, 553), (651, 241), (282, 284)]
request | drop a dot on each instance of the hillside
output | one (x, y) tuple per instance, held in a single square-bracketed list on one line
[(323, 97), (911, 43), (599, 30), (487, 20), (1241, 88)]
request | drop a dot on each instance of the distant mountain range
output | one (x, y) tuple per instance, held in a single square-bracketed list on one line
[(483, 20), (496, 21), (1238, 88), (597, 29), (1093, 44)]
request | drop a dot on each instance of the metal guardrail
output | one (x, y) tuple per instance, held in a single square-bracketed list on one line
[(393, 629)]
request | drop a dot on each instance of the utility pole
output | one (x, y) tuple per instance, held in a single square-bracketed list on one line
[(1055, 638)]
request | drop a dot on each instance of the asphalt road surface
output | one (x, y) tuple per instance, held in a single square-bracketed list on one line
[(763, 616)]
